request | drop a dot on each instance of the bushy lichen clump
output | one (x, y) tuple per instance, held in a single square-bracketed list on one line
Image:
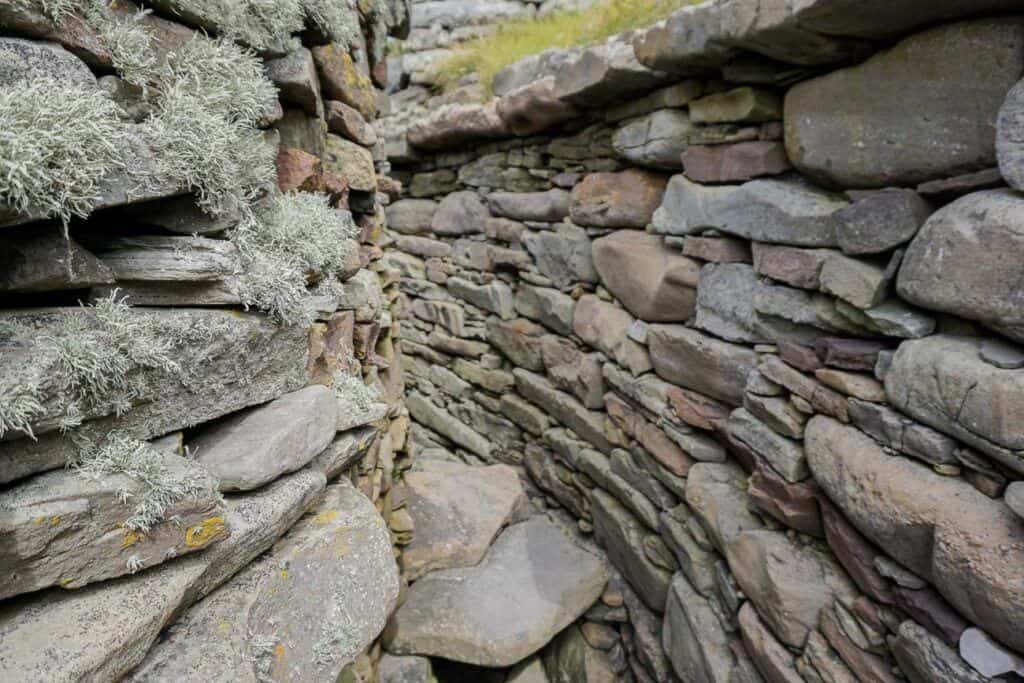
[(161, 486), (289, 240), (58, 141)]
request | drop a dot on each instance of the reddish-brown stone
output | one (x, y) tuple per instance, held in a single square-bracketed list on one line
[(849, 354), (299, 171), (717, 249), (617, 200), (856, 553), (698, 410), (733, 163), (799, 356), (795, 505), (931, 611)]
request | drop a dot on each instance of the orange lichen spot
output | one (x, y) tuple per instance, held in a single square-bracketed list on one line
[(55, 520), (131, 537), (325, 517), (279, 652), (202, 534)]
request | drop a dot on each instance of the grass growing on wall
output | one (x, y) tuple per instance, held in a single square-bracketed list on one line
[(520, 38)]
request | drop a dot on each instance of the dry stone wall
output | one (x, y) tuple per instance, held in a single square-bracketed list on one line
[(738, 296), (200, 397)]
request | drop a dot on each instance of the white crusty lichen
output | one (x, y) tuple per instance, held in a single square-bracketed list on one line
[(355, 391), (287, 242)]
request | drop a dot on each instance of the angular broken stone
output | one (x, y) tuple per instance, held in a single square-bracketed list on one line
[(42, 260), (964, 261), (698, 361), (605, 326), (251, 448), (879, 221), (458, 511), (924, 658), (694, 637), (776, 211), (169, 259), (564, 256), (652, 281), (460, 213), (296, 79), (70, 529), (736, 162), (617, 200), (303, 611), (535, 107), (588, 424), (411, 216), (442, 422), (742, 105), (470, 615)]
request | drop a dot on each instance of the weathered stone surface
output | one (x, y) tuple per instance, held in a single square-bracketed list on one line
[(588, 424), (341, 79), (879, 221), (785, 456), (606, 327), (966, 259), (860, 283), (771, 657), (460, 213), (351, 163), (470, 615), (563, 255), (425, 412), (405, 669), (495, 297), (458, 511), (296, 79), (458, 125), (850, 127), (736, 162), (694, 638), (44, 260), (698, 361), (169, 259), (349, 123), (923, 658), (256, 446), (605, 73), (717, 249), (965, 544), (794, 266), (988, 657), (1014, 498), (742, 105), (880, 19), (304, 611), (717, 495), (943, 382), (622, 536), (28, 60), (573, 370), (790, 583), (520, 340), (570, 658), (411, 216), (67, 529), (776, 211), (550, 206), (617, 200), (225, 348), (653, 282), (535, 107)]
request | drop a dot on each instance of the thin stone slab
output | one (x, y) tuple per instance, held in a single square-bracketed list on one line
[(458, 511), (223, 349), (532, 583), (169, 259), (46, 260), (256, 446), (68, 529)]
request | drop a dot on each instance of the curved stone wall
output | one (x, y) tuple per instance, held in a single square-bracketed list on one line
[(739, 297)]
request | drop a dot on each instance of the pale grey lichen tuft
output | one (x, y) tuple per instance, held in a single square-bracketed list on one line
[(288, 242)]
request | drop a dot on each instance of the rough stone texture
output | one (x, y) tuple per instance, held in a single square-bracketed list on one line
[(341, 79), (535, 107), (458, 511), (776, 211), (850, 128), (44, 260), (64, 529), (296, 79), (653, 282), (254, 447), (924, 658), (469, 615), (460, 213), (879, 221), (742, 105), (569, 659), (966, 259), (954, 537), (411, 216), (697, 361), (302, 612), (350, 162), (617, 200), (943, 382), (268, 358), (606, 327), (734, 163), (694, 638), (27, 60), (425, 412), (771, 657), (564, 256), (550, 206)]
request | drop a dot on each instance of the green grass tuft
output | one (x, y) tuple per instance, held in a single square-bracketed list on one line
[(520, 38)]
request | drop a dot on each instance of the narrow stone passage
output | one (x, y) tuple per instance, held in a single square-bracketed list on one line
[(360, 342)]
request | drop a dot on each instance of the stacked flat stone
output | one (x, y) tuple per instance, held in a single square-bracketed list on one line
[(745, 306)]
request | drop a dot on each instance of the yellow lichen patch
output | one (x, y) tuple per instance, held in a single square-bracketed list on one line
[(284, 574), (55, 520), (64, 583), (225, 628), (202, 534), (279, 652), (325, 517), (39, 520), (131, 537)]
